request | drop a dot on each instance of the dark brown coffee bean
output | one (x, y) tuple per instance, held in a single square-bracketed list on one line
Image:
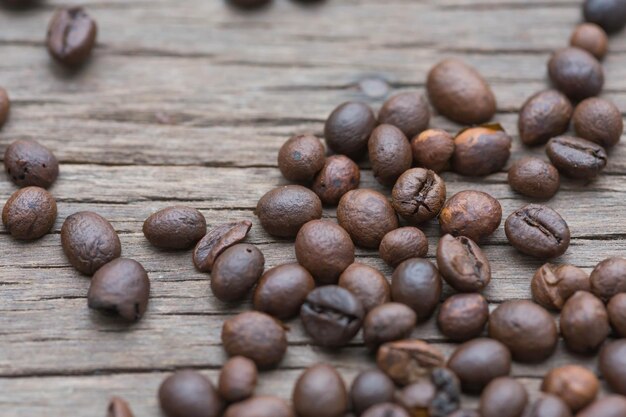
[(617, 314), (189, 394), (463, 264), (176, 227), (338, 176), (367, 216), (548, 406), (348, 129), (534, 178), (406, 361), (480, 151), (466, 413), (437, 396), (433, 149), (282, 290), (592, 38), (320, 392), (419, 195), (401, 244), (29, 213), (408, 112), (612, 364), (256, 336), (27, 162), (575, 157), (417, 283), (478, 362), (5, 106), (121, 287), (553, 284), (538, 231), (463, 316), (367, 284), (236, 271), (386, 410), (332, 316), (284, 210), (89, 241), (599, 121), (470, 213), (237, 379), (503, 397), (576, 73), (261, 406), (460, 93), (527, 329), (386, 323), (390, 153), (71, 36), (216, 241), (575, 385), (118, 408), (584, 323), (369, 388), (609, 406), (325, 249), (608, 14), (544, 116), (301, 157), (249, 4), (608, 278)]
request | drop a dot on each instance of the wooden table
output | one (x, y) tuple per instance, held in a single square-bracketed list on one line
[(187, 102)]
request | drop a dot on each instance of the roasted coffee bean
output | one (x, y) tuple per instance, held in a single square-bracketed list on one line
[(284, 210), (463, 316), (401, 244), (408, 112), (189, 394), (417, 283), (236, 271), (503, 397), (118, 408), (369, 388), (437, 396), (592, 38), (538, 231), (367, 216), (385, 410), (575, 385), (367, 284), (320, 392), (256, 336), (301, 157), (534, 177), (237, 379), (71, 36), (548, 406), (480, 151), (348, 129), (249, 4), (281, 290), (576, 73), (261, 406), (5, 106), (433, 149), (544, 116), (470, 213), (608, 278), (89, 241), (216, 241), (419, 195), (386, 323), (584, 323), (609, 406), (417, 397), (575, 157), (612, 364), (332, 316), (29, 213), (617, 314), (552, 285), (338, 176), (406, 361), (121, 287), (390, 153), (466, 413), (460, 93), (478, 362), (599, 121), (27, 162), (527, 329), (608, 14), (176, 227), (463, 264)]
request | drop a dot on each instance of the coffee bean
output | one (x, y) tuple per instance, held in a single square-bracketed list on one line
[(27, 163), (592, 38), (261, 406), (348, 129), (301, 157), (437, 396), (503, 397), (576, 73), (249, 4), (543, 116), (575, 157), (367, 284), (386, 323), (176, 227), (584, 323), (338, 176), (118, 408), (71, 36), (466, 413), (29, 213), (609, 406), (527, 329), (575, 385), (369, 388), (534, 178), (478, 362), (617, 313), (548, 406), (367, 216), (401, 244), (538, 231), (406, 361), (236, 271), (284, 210), (460, 93), (189, 394), (89, 241), (5, 106), (608, 278), (390, 153), (385, 410), (282, 290), (325, 249), (433, 149), (216, 241), (332, 316), (408, 112), (463, 316), (463, 264), (552, 285), (417, 283), (612, 364), (599, 121), (473, 214), (480, 151), (237, 379), (320, 392), (609, 14), (419, 195), (256, 336)]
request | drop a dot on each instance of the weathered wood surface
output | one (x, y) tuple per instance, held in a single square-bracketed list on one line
[(187, 102)]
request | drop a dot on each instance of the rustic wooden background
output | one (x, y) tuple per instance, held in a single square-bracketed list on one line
[(187, 102)]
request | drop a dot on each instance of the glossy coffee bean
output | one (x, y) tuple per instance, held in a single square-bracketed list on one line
[(478, 362), (386, 323), (284, 210), (189, 394), (408, 112), (5, 106), (503, 397), (176, 227), (367, 284), (237, 379), (612, 364), (608, 14), (71, 36), (548, 406), (388, 409), (552, 285), (543, 116), (592, 38), (608, 278), (418, 195), (369, 388), (480, 151), (417, 283), (401, 244), (534, 177), (599, 121), (584, 323), (463, 317), (575, 157), (320, 392), (433, 149), (348, 129), (423, 397), (367, 216), (236, 271), (261, 406), (576, 73), (390, 153), (119, 408), (301, 157), (29, 213), (609, 406), (538, 231), (27, 163), (338, 176), (617, 313), (463, 264), (281, 290), (575, 385), (470, 213), (216, 241), (407, 361)]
